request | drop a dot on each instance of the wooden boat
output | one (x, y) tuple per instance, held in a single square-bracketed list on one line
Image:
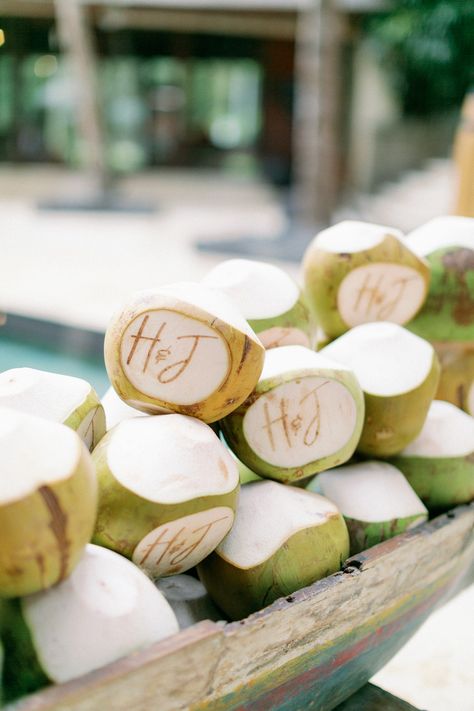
[(311, 650)]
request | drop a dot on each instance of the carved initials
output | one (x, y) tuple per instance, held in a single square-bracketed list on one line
[(170, 372)]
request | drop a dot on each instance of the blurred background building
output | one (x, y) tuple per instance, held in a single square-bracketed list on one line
[(331, 97)]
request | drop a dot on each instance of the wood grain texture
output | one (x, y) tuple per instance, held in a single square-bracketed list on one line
[(311, 650)]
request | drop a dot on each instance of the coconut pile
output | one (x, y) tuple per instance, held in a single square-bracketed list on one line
[(255, 434)]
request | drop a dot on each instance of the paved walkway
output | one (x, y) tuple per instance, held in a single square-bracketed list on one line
[(78, 267)]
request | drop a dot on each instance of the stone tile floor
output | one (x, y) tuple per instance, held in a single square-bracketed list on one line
[(77, 267)]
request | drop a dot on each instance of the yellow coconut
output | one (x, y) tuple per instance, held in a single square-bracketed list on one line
[(183, 348)]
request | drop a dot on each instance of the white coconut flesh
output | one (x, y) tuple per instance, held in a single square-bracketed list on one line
[(442, 232), (179, 588), (116, 410), (37, 392), (173, 357), (170, 459), (447, 432), (178, 545), (106, 609), (350, 236), (189, 599), (208, 299), (283, 336), (34, 453), (387, 359), (302, 420), (268, 514), (372, 492), (259, 290), (175, 459), (380, 292)]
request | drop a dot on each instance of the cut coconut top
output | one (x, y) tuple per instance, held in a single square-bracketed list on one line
[(33, 453), (116, 410), (387, 359), (441, 232), (170, 458), (370, 491), (206, 298), (181, 587), (106, 609), (259, 290), (293, 358), (352, 236), (447, 432), (268, 514), (40, 393)]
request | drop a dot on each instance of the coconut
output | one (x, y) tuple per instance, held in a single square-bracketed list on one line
[(182, 348), (456, 384), (167, 492), (439, 463), (283, 539), (48, 501), (305, 415), (105, 610), (398, 373), (188, 599), (357, 272), (245, 474), (447, 243), (60, 398), (116, 410), (272, 303), (375, 499)]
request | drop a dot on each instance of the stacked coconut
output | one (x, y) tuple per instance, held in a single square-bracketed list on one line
[(447, 317), (359, 278), (66, 607), (215, 385)]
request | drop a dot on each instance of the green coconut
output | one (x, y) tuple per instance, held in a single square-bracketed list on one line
[(245, 474), (116, 410), (375, 499), (105, 610), (168, 490), (60, 398), (270, 300), (182, 348), (398, 373), (447, 243), (305, 415), (456, 384), (48, 502), (283, 539), (189, 600), (1, 672), (439, 463), (357, 272)]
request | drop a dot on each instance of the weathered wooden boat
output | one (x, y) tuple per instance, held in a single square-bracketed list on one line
[(311, 650)]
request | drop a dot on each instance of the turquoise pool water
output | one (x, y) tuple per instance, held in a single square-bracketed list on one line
[(19, 354)]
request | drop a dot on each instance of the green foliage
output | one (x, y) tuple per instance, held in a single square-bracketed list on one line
[(428, 48)]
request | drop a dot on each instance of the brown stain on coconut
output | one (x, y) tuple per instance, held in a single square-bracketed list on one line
[(223, 468), (245, 352), (58, 525)]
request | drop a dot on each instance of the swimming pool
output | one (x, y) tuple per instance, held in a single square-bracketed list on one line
[(26, 342)]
